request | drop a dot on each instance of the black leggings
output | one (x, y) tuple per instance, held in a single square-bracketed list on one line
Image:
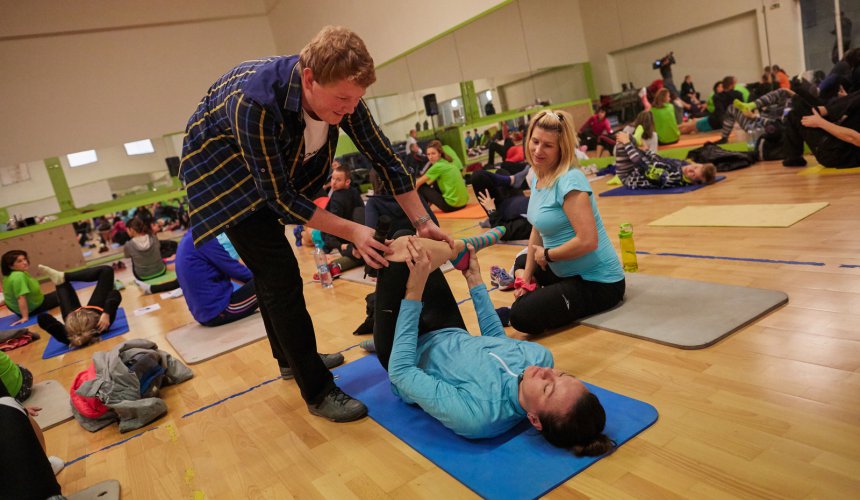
[(440, 307), (558, 302), (433, 196), (104, 296), (26, 470)]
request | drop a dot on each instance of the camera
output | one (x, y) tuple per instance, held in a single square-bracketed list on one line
[(664, 61)]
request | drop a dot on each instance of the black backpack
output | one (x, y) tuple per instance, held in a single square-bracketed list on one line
[(722, 159)]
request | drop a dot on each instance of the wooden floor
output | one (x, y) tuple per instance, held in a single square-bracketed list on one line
[(771, 411)]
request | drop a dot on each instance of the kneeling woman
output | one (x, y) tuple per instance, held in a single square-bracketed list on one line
[(477, 386), (82, 324), (570, 270)]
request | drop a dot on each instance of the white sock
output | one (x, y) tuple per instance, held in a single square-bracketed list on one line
[(57, 464), (57, 277), (145, 287)]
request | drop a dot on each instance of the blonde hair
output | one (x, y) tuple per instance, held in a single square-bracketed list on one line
[(81, 326), (561, 123), (336, 53)]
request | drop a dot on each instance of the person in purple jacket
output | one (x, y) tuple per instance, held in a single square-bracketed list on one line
[(206, 276)]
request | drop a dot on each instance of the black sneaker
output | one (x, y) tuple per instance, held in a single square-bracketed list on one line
[(329, 360), (338, 406)]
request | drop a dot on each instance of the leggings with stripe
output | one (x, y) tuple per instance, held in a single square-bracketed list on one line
[(243, 302), (733, 114)]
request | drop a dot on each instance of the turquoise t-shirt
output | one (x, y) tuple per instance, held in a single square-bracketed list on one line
[(450, 181), (546, 213), (19, 283), (665, 123)]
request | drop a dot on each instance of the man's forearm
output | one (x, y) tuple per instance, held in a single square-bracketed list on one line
[(411, 204), (329, 223)]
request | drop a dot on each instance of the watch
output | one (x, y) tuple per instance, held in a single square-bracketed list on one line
[(421, 220), (546, 254)]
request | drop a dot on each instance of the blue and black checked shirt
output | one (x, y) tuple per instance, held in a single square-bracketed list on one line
[(244, 146)]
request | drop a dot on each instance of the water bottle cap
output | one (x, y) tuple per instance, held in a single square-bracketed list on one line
[(626, 228)]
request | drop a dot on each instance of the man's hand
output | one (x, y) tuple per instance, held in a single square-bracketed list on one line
[(486, 200), (104, 322), (419, 269), (815, 120), (431, 231), (372, 251)]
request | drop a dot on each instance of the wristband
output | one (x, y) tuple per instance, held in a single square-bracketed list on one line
[(421, 220), (546, 254)]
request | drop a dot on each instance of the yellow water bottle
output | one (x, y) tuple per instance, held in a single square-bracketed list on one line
[(628, 249)]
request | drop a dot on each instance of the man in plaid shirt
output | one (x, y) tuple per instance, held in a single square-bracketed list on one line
[(256, 150)]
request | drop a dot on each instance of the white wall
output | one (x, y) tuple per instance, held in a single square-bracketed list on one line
[(618, 28), (556, 85), (76, 77)]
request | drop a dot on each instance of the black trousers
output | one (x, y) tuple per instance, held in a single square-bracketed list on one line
[(161, 287), (558, 302), (433, 196), (104, 296), (440, 307), (26, 471), (263, 246), (828, 150)]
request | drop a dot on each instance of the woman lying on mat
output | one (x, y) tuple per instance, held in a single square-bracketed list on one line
[(21, 292), (477, 386), (442, 185), (570, 270), (83, 324), (643, 169)]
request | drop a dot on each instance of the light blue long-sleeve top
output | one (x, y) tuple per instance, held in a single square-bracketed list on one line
[(469, 383)]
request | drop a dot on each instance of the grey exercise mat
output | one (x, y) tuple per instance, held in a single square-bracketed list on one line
[(54, 401), (684, 313), (195, 342), (105, 490), (356, 274)]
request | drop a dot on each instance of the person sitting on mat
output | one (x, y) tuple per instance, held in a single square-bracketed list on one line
[(570, 269), (17, 380), (205, 275), (744, 113), (345, 202), (442, 185), (477, 386), (643, 169), (648, 137), (832, 131), (596, 132), (28, 471), (663, 112), (83, 324), (145, 252), (21, 292)]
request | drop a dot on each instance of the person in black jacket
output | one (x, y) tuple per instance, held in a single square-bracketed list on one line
[(832, 131), (345, 202)]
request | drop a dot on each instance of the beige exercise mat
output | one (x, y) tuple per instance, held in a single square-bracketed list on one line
[(356, 274), (684, 313), (105, 490), (54, 401), (196, 343), (778, 215)]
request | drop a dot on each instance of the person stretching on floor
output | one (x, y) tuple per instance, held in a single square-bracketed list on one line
[(145, 252), (442, 185), (643, 169), (21, 292), (83, 324), (832, 132), (570, 270), (744, 113), (477, 386)]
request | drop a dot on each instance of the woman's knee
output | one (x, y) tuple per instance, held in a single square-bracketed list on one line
[(526, 314)]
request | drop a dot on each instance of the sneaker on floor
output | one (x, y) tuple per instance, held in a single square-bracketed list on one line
[(329, 360), (57, 464), (297, 233), (500, 278), (338, 406)]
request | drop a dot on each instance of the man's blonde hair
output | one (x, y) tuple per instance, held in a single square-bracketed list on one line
[(335, 54), (561, 123)]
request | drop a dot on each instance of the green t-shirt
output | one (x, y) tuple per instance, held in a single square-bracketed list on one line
[(10, 375), (447, 176), (665, 124), (710, 106), (454, 158), (744, 92), (20, 283)]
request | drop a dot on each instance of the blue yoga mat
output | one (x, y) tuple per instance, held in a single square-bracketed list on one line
[(119, 326), (6, 322), (80, 285), (517, 464), (625, 191)]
